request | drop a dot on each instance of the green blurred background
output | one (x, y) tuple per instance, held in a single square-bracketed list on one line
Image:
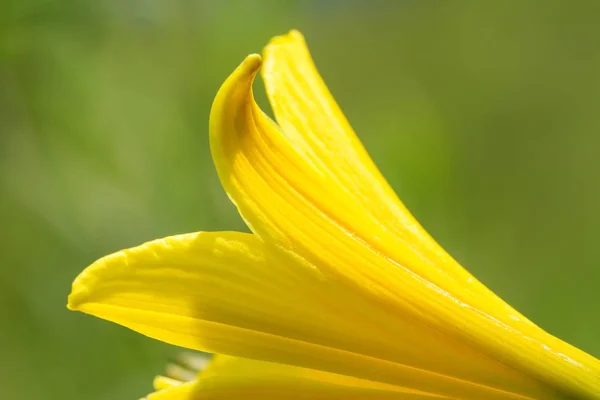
[(483, 116)]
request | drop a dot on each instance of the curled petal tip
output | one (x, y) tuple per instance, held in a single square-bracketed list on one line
[(230, 107), (236, 86), (249, 66)]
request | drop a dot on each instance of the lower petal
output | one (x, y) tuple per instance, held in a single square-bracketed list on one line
[(230, 293), (236, 378)]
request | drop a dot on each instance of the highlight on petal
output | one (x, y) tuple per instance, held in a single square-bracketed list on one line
[(231, 293), (308, 187)]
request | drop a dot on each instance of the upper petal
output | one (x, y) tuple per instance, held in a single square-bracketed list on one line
[(308, 187), (316, 128)]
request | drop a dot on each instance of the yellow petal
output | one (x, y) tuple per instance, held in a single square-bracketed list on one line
[(230, 293), (309, 188), (164, 382), (315, 126), (167, 391), (232, 377)]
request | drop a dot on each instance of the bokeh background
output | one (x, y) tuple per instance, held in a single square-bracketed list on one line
[(482, 115)]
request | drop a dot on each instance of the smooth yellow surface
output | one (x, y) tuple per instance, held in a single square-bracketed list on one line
[(338, 275)]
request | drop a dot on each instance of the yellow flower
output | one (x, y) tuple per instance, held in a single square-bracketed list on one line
[(339, 292)]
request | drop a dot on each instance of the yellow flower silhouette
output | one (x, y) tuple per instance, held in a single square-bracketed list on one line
[(339, 293)]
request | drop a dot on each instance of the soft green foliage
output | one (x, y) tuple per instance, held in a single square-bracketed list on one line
[(482, 115)]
